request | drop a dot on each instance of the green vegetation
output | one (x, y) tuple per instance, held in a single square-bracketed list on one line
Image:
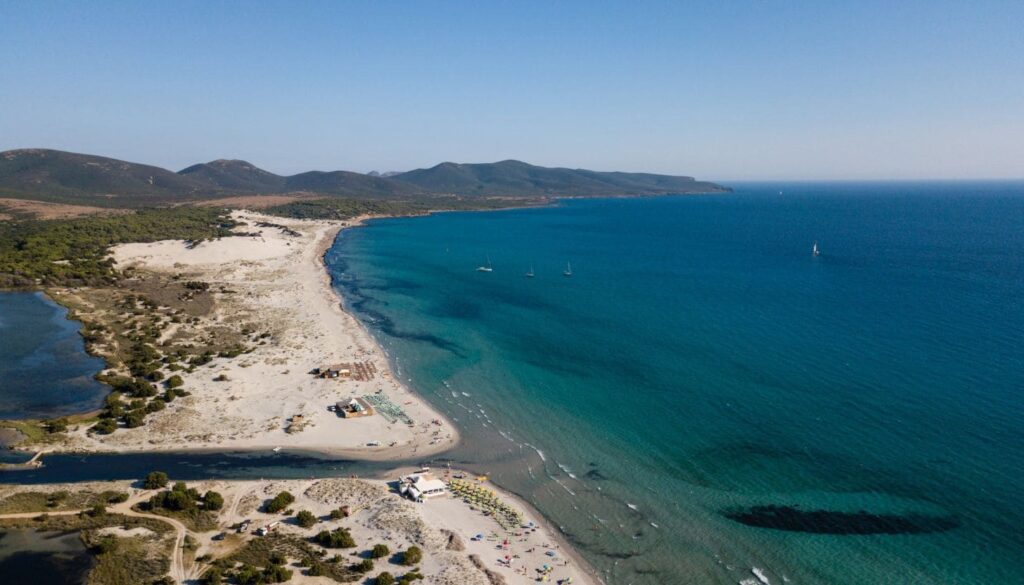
[(185, 504), (252, 575), (305, 519), (279, 503), (126, 560), (74, 251), (363, 566), (213, 500), (117, 560), (60, 500), (385, 578), (342, 208), (409, 577), (337, 538), (263, 552), (52, 175), (412, 556), (379, 551), (155, 480)]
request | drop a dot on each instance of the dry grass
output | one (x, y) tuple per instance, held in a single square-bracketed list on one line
[(254, 201), (23, 208)]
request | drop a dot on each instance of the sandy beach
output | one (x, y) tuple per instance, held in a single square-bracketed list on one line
[(268, 399)]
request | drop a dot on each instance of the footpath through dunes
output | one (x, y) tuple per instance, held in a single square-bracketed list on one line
[(269, 286)]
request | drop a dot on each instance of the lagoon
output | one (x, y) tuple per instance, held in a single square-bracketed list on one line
[(44, 369)]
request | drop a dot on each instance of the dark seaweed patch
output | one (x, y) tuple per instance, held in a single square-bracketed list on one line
[(358, 301), (793, 519)]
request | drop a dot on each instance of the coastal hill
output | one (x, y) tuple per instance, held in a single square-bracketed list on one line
[(235, 175), (58, 176), (54, 175), (513, 177)]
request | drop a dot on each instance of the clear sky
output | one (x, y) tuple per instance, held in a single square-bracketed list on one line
[(718, 89)]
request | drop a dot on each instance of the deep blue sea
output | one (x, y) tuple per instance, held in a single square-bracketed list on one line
[(704, 396), (44, 370)]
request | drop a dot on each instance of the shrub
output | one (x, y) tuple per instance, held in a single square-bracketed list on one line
[(212, 577), (338, 538), (248, 575), (155, 480), (213, 500), (385, 578), (135, 419), (106, 544), (339, 513), (305, 518), (155, 405), (412, 556), (317, 570), (364, 566), (57, 426), (105, 426), (379, 551), (276, 574), (175, 381), (280, 502), (118, 498)]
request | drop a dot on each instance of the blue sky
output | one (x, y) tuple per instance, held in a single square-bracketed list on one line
[(720, 90)]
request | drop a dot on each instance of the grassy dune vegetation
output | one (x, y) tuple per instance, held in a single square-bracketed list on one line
[(74, 251)]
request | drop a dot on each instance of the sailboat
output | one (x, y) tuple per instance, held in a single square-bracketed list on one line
[(485, 267), (530, 273), (815, 251), (568, 269)]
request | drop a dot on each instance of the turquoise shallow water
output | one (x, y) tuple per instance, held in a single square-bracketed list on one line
[(703, 396)]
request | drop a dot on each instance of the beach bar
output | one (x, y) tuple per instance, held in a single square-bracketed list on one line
[(353, 408), (419, 486)]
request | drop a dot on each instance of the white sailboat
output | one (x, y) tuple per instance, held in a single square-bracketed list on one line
[(485, 267), (815, 251), (530, 273), (568, 269)]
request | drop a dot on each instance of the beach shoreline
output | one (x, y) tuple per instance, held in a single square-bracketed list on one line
[(174, 256), (276, 278)]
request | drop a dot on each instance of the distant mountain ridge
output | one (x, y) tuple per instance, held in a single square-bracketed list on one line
[(64, 176), (513, 177)]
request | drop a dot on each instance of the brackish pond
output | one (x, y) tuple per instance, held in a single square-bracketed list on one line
[(43, 558)]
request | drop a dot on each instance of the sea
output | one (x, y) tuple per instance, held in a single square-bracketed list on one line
[(706, 401)]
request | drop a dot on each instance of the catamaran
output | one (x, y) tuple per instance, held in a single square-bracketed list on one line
[(815, 251), (568, 269), (485, 267), (530, 273)]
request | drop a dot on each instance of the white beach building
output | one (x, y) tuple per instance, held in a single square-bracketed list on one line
[(419, 486)]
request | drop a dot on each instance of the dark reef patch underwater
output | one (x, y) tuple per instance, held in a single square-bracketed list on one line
[(794, 519)]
